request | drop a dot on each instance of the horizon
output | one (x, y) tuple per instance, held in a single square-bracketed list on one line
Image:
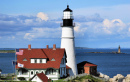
[(59, 47), (99, 24)]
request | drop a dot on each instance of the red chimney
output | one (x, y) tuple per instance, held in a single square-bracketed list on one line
[(54, 46), (29, 47), (47, 46)]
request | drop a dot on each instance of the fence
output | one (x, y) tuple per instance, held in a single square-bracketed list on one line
[(5, 75)]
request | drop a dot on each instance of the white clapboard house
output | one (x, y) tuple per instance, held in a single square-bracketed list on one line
[(50, 61)]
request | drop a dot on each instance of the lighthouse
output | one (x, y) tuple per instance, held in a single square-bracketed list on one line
[(67, 39)]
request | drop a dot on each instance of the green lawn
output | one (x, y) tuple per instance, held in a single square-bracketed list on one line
[(14, 81), (60, 80)]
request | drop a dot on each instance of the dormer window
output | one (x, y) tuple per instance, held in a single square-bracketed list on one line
[(53, 59), (38, 60), (24, 59)]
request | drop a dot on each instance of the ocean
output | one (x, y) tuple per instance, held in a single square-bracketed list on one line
[(108, 63)]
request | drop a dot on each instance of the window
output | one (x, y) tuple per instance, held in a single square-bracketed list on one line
[(35, 61), (62, 61), (61, 71), (43, 60), (36, 72), (40, 60), (53, 59), (31, 72), (51, 71), (32, 60), (64, 70), (42, 72), (24, 59)]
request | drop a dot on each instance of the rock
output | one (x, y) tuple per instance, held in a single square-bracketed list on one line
[(87, 80), (106, 77), (101, 75), (118, 78), (127, 78), (111, 80)]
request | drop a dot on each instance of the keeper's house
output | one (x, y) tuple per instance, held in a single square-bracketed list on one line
[(50, 61)]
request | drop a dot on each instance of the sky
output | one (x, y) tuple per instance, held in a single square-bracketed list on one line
[(99, 23)]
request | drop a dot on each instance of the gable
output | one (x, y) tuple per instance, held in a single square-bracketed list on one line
[(36, 79)]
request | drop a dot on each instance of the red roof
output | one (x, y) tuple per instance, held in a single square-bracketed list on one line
[(43, 77), (85, 63), (41, 53), (90, 64), (67, 67)]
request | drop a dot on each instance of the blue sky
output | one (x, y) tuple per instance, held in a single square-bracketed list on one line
[(99, 23)]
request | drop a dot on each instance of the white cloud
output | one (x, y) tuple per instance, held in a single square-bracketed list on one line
[(107, 28), (113, 26), (43, 33), (79, 29), (29, 21), (42, 16)]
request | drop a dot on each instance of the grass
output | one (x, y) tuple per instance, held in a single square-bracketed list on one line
[(91, 78), (14, 81), (60, 80)]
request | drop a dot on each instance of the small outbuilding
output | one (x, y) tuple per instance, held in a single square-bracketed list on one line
[(40, 77), (87, 67)]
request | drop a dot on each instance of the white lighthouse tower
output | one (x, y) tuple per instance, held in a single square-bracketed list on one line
[(67, 39)]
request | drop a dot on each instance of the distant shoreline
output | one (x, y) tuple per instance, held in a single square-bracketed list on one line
[(7, 51)]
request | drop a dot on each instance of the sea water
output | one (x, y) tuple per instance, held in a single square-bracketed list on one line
[(6, 62), (107, 63)]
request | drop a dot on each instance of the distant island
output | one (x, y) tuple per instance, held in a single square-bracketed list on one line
[(107, 52), (7, 51), (82, 48)]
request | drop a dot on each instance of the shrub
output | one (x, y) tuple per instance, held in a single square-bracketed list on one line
[(21, 78)]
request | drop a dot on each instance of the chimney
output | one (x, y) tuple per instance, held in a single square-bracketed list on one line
[(47, 46), (29, 47), (54, 46)]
